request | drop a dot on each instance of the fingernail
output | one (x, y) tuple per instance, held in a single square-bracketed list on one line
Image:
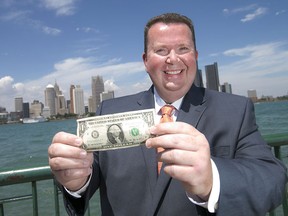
[(78, 141), (152, 130), (83, 153), (148, 143)]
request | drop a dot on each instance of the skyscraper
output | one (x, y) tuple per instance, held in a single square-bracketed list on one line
[(252, 94), (71, 107), (212, 76), (18, 104), (60, 103), (198, 78), (36, 109), (97, 89), (50, 99), (78, 98), (226, 87), (26, 110), (106, 95)]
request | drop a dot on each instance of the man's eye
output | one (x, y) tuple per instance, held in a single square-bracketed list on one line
[(183, 50), (162, 52)]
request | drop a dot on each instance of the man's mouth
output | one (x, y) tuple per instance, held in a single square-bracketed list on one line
[(173, 72)]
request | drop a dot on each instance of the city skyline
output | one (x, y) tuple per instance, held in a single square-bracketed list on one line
[(71, 41)]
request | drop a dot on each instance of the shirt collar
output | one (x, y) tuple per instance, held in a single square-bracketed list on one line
[(159, 102)]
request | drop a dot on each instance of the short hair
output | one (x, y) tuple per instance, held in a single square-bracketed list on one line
[(168, 18)]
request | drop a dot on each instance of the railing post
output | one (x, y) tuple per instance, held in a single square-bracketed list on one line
[(284, 203), (277, 152), (271, 213), (35, 198), (1, 210), (56, 198)]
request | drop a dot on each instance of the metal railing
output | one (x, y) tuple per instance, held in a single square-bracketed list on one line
[(277, 141), (31, 175), (34, 175)]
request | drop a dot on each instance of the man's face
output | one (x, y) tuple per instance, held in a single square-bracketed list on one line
[(171, 59)]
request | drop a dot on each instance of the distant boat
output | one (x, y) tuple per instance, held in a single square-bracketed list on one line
[(34, 120)]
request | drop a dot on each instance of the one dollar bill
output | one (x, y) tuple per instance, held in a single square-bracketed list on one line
[(115, 131)]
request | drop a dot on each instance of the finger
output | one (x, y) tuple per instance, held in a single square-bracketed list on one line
[(72, 174), (68, 139), (60, 163), (178, 171), (173, 128), (172, 141), (63, 150), (179, 157)]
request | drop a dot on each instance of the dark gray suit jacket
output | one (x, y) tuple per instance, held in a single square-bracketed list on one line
[(252, 180)]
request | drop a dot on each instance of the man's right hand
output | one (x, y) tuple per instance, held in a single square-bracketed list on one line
[(70, 164)]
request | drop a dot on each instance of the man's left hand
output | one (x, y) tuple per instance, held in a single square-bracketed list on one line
[(186, 156)]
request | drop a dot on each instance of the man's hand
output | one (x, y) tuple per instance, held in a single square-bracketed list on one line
[(186, 156), (70, 164)]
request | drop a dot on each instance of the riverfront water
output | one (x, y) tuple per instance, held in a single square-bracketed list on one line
[(25, 146)]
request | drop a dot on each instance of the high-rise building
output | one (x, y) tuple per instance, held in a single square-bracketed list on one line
[(212, 76), (97, 89), (36, 109), (199, 79), (55, 100), (106, 95), (61, 107), (252, 94), (226, 87), (19, 104), (50, 99), (26, 111), (78, 98), (90, 105), (71, 107)]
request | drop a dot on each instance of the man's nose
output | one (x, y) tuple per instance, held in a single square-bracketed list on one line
[(172, 57)]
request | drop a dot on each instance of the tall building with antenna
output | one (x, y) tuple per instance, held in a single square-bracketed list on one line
[(97, 89), (71, 107)]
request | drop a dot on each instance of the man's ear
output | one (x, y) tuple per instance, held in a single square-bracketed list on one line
[(144, 58)]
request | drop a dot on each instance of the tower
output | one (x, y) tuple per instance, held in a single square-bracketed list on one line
[(78, 98), (212, 76), (71, 108), (97, 89), (50, 98)]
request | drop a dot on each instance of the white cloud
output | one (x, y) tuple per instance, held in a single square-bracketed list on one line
[(51, 31), (253, 9), (239, 9), (110, 85), (251, 16), (23, 17), (77, 71), (280, 12), (263, 67), (62, 7), (15, 16)]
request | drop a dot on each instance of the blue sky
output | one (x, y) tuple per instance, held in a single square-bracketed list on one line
[(72, 40)]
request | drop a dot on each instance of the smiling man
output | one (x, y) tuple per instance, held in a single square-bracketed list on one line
[(215, 161)]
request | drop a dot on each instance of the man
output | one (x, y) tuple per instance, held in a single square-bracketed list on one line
[(215, 161)]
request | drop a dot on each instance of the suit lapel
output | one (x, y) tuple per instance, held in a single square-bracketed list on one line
[(193, 106), (147, 102)]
